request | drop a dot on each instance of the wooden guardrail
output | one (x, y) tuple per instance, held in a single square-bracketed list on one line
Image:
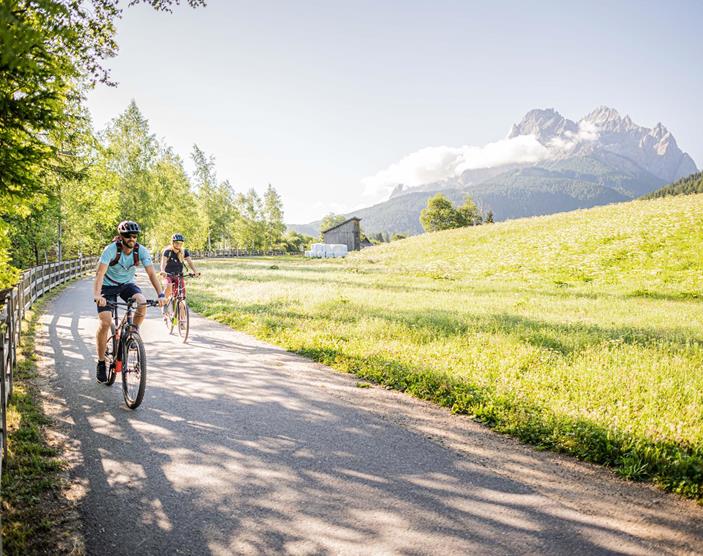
[(233, 253), (34, 282)]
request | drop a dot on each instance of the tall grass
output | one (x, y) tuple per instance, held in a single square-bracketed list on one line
[(579, 332)]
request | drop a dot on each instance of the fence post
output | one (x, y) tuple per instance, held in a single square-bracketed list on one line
[(2, 394)]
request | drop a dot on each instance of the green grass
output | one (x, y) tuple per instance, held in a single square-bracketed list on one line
[(32, 507), (579, 332)]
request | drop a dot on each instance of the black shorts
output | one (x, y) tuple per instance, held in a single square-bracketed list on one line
[(125, 291)]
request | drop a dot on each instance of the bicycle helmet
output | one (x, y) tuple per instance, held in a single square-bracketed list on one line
[(177, 237), (128, 227)]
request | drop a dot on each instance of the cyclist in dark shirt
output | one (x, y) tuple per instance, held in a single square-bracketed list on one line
[(173, 261)]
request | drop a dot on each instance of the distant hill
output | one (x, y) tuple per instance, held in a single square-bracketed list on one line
[(685, 186), (603, 158)]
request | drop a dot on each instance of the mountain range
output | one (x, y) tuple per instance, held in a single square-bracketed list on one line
[(602, 158)]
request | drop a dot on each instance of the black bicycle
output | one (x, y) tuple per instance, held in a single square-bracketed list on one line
[(125, 352), (176, 311)]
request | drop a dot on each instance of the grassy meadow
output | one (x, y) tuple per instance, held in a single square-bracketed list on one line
[(579, 332)]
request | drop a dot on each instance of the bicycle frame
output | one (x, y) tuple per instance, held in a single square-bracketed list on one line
[(180, 285), (124, 325)]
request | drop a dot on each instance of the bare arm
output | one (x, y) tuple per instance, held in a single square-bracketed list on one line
[(98, 283), (191, 265), (163, 263), (154, 279)]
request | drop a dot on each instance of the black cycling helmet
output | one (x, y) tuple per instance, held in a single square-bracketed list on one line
[(177, 237), (128, 227)]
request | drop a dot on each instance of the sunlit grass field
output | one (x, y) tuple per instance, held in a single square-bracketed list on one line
[(580, 332)]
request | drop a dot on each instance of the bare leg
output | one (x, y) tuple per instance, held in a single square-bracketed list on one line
[(167, 297), (104, 320), (140, 313)]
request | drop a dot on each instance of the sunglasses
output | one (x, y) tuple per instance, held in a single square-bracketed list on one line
[(129, 236)]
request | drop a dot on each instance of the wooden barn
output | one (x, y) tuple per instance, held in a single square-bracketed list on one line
[(347, 233)]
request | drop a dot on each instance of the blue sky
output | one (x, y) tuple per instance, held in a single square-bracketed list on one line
[(315, 96)]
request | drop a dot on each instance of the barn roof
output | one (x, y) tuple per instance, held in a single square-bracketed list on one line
[(340, 224)]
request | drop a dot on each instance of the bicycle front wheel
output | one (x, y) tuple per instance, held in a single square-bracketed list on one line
[(183, 319), (133, 371), (110, 355), (173, 315)]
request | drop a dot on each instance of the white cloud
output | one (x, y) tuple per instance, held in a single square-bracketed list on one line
[(563, 145), (438, 163)]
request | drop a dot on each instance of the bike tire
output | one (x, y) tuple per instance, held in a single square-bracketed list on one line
[(110, 353), (174, 315), (183, 320), (133, 371), (165, 318)]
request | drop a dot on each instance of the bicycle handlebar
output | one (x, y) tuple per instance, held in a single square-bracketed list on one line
[(188, 275), (149, 303)]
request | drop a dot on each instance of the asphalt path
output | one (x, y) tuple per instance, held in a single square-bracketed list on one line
[(242, 448)]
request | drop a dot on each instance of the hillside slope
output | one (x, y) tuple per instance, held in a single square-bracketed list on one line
[(685, 186), (645, 246)]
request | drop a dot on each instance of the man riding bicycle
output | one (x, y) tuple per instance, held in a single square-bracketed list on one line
[(115, 276), (173, 260)]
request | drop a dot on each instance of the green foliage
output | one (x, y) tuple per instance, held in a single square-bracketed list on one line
[(126, 173), (51, 51), (441, 214), (294, 242), (685, 186), (273, 219), (577, 332)]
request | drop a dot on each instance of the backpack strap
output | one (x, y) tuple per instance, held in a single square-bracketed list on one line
[(118, 254)]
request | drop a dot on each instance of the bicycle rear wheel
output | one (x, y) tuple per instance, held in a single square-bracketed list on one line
[(183, 319), (133, 370), (110, 354)]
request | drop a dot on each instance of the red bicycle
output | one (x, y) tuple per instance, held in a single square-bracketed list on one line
[(125, 353), (176, 313)]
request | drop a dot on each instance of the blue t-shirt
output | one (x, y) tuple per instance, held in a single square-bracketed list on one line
[(124, 270)]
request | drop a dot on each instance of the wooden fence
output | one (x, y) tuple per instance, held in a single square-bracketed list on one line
[(34, 282), (233, 253)]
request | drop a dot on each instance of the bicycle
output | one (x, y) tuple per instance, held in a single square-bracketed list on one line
[(176, 310), (125, 353)]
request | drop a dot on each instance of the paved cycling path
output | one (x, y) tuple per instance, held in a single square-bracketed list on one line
[(242, 448)]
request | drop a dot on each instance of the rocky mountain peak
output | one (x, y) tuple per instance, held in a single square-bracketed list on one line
[(545, 124), (603, 115), (604, 129)]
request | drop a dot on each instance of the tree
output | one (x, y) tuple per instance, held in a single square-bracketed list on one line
[(295, 242), (251, 226), (396, 237), (177, 206), (205, 183), (468, 213), (439, 214), (51, 51), (489, 217), (273, 217), (132, 153)]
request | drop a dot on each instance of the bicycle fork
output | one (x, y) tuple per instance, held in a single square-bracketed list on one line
[(117, 363)]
